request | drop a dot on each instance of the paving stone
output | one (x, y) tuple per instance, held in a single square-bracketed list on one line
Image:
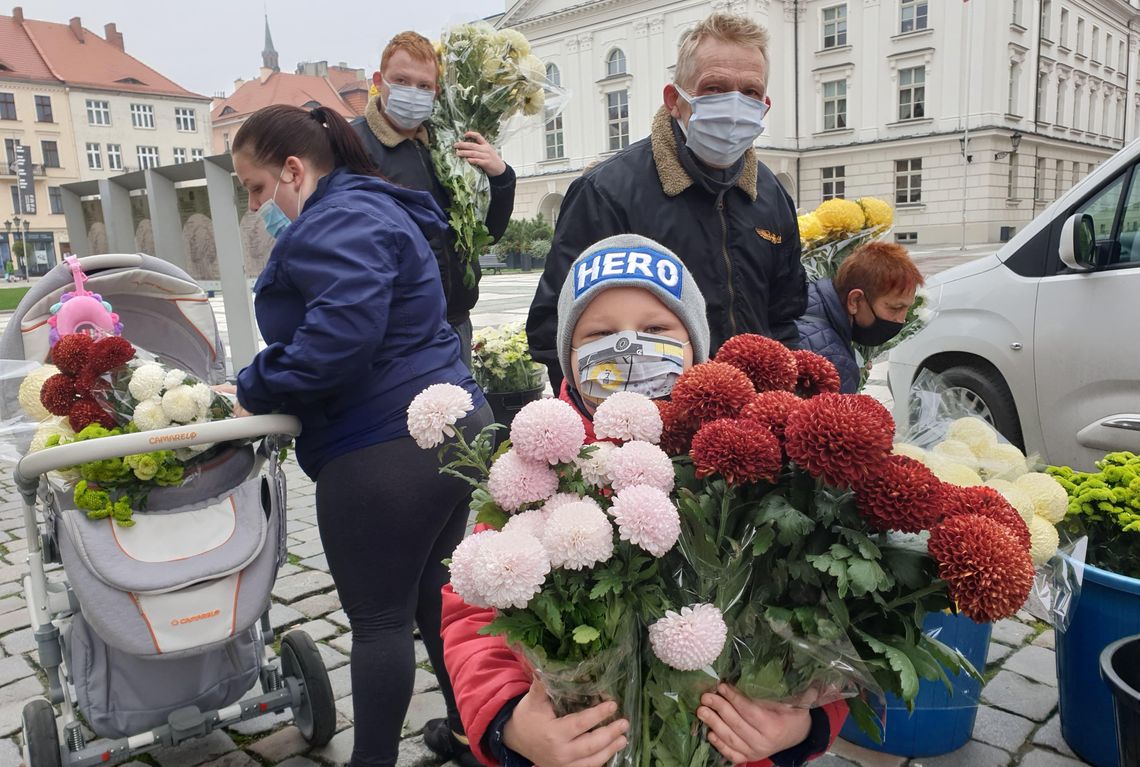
[(280, 745), (343, 643), (307, 549), (413, 753), (10, 754), (318, 606), (1036, 663), (1011, 632), (196, 751), (1019, 695), (303, 584), (18, 619), (298, 761), (306, 534), (973, 754), (18, 642), (262, 724), (331, 658), (288, 569), (10, 603), (425, 706), (340, 618), (865, 757), (831, 760), (1050, 735), (318, 629), (424, 681), (233, 759), (1040, 758), (14, 668), (421, 653), (996, 652), (318, 562), (344, 708), (338, 750), (999, 728), (19, 691), (1046, 639), (283, 615), (341, 682)]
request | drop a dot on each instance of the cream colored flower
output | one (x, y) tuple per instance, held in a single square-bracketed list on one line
[(974, 432), (1043, 540), (534, 102), (1017, 498), (516, 41), (29, 396), (910, 451)]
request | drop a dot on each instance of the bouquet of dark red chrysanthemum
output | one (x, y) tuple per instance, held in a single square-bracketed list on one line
[(819, 549)]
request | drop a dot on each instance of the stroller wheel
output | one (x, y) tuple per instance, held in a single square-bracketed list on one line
[(41, 740), (316, 716)]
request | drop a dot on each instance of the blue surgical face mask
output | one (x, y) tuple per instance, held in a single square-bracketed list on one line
[(722, 126), (271, 214), (408, 107)]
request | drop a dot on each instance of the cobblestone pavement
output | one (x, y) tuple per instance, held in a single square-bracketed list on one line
[(1017, 720)]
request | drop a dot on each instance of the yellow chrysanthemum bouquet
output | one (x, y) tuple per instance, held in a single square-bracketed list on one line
[(487, 77), (831, 233)]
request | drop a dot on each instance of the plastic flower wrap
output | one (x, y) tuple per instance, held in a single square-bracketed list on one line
[(500, 359), (487, 76)]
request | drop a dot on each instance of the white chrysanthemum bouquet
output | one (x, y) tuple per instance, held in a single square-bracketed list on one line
[(487, 76)]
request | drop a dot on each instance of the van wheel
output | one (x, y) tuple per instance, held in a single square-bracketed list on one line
[(988, 396)]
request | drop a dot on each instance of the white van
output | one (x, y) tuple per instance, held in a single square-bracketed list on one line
[(1043, 337)]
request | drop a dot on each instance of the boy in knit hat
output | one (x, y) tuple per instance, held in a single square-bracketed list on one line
[(630, 318)]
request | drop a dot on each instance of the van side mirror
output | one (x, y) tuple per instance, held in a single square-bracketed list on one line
[(1078, 243)]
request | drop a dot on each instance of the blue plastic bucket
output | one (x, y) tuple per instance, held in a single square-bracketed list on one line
[(1120, 667), (942, 722), (1107, 609)]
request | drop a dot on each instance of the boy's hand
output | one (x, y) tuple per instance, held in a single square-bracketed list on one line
[(477, 152), (533, 731), (745, 730)]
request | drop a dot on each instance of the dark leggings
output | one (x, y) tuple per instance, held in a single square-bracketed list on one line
[(387, 519)]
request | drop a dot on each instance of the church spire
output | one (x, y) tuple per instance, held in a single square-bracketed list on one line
[(269, 55)]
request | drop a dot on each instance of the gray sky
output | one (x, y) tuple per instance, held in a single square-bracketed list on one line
[(203, 45)]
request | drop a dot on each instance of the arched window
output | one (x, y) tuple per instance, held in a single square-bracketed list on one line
[(615, 63), (312, 104), (553, 76)]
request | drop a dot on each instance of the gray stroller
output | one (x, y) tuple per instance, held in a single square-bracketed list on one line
[(155, 634)]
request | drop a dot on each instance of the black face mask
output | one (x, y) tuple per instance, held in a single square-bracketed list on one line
[(878, 333)]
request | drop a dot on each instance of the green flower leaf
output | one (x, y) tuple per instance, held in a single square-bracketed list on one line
[(585, 634)]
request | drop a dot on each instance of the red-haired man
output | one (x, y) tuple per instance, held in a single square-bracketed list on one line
[(865, 304)]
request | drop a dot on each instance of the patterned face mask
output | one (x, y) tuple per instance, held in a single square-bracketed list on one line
[(629, 361)]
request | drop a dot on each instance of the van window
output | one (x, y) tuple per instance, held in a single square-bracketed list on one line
[(1130, 226), (1104, 209)]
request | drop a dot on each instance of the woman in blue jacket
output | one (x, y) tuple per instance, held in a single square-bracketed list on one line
[(352, 309)]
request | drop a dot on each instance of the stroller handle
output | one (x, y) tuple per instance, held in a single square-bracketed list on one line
[(110, 261), (34, 465)]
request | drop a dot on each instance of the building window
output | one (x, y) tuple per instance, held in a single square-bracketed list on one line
[(1080, 36), (835, 26), (1096, 43), (1042, 94), (1046, 19), (179, 155), (912, 93), (7, 106), (1014, 87), (43, 110), (148, 157), (834, 181), (185, 120), (617, 117), (142, 115), (615, 63), (197, 154), (1108, 49), (1121, 57), (1064, 28), (1011, 180), (1039, 182), (16, 199), (1060, 115), (906, 238), (94, 157), (835, 105), (1059, 180), (55, 199), (555, 138), (912, 15), (1077, 93), (114, 157), (1105, 118), (50, 151), (908, 181), (98, 112), (10, 146), (226, 141), (1016, 19)]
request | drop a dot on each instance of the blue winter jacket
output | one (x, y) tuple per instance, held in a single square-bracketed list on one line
[(352, 309), (825, 329)]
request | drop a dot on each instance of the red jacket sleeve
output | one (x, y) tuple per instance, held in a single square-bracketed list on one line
[(836, 714), (484, 673)]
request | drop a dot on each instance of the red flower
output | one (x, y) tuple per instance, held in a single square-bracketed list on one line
[(987, 572), (109, 353), (71, 352), (987, 502), (839, 437), (901, 494), (743, 452), (58, 394), (768, 364), (710, 391), (676, 433), (771, 410), (87, 411), (816, 374)]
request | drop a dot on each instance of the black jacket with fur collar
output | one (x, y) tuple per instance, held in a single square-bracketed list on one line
[(741, 242), (407, 162)]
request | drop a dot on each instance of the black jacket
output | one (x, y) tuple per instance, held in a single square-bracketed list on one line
[(825, 329), (742, 244), (407, 162)]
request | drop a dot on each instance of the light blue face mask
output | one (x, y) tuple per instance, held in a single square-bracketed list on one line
[(271, 214), (408, 107), (722, 126)]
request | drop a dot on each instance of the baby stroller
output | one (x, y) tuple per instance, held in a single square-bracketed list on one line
[(157, 633)]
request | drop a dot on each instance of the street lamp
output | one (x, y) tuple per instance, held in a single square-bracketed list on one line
[(1014, 143), (27, 226), (15, 225)]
